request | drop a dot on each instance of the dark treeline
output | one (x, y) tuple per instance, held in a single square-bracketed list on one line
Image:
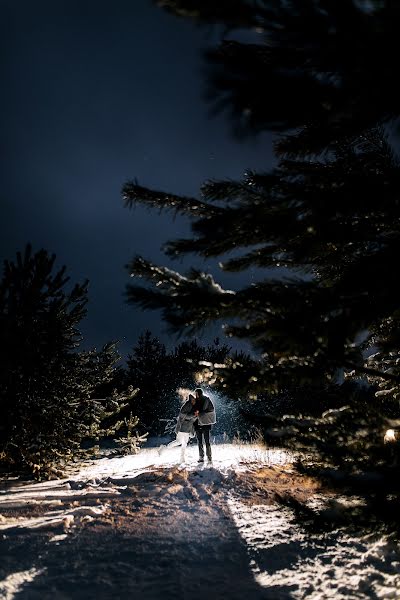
[(159, 374), (58, 401)]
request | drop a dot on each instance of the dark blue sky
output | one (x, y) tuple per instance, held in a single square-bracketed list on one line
[(95, 93)]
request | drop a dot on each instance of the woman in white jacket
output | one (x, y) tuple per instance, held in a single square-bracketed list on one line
[(184, 428)]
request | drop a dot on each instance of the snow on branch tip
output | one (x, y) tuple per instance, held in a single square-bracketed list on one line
[(168, 279)]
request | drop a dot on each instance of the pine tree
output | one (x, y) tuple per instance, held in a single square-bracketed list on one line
[(46, 384), (319, 221), (322, 70), (326, 218)]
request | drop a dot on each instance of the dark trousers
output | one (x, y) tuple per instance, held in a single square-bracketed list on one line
[(203, 433)]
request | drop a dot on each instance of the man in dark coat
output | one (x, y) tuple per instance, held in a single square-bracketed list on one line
[(205, 412)]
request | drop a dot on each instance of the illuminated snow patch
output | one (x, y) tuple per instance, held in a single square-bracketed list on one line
[(225, 456), (12, 584), (293, 563)]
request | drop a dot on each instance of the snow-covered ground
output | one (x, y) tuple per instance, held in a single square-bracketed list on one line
[(143, 526)]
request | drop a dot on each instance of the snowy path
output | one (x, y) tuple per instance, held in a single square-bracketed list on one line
[(140, 527)]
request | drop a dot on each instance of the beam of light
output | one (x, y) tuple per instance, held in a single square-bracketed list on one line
[(183, 393), (390, 436)]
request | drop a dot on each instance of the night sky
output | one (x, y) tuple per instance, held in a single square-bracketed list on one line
[(93, 94)]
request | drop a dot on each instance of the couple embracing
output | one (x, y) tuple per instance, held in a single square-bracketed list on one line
[(196, 416)]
